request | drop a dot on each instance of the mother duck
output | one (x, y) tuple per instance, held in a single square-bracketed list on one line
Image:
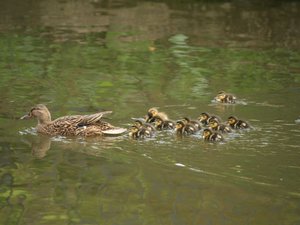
[(75, 125)]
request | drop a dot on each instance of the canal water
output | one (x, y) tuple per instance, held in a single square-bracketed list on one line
[(82, 57)]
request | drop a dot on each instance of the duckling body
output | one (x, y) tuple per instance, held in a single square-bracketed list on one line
[(140, 132), (209, 135), (185, 129), (147, 126), (152, 113), (235, 123), (217, 126), (205, 118), (75, 125), (223, 97), (194, 123), (163, 124)]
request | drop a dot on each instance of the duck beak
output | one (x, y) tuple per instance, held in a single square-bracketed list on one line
[(25, 117)]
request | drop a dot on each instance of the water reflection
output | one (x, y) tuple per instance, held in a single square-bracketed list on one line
[(81, 56), (235, 24), (94, 146)]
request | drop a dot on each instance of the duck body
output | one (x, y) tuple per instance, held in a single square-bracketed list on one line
[(235, 123), (75, 125), (223, 97), (185, 129), (216, 126), (209, 135)]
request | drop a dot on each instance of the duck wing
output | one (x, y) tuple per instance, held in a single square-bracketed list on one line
[(80, 120)]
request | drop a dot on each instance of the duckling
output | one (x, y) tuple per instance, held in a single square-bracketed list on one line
[(195, 123), (75, 125), (183, 128), (140, 123), (209, 135), (204, 118), (217, 126), (235, 123), (154, 112), (163, 124), (223, 97), (139, 132)]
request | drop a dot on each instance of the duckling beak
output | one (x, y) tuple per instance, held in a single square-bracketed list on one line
[(25, 117)]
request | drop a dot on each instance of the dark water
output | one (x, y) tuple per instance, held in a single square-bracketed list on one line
[(80, 57)]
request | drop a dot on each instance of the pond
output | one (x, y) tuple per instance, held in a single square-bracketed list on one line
[(82, 57)]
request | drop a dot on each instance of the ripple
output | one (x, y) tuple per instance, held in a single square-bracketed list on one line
[(31, 131), (180, 165)]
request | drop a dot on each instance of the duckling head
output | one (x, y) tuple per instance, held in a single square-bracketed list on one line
[(158, 121), (138, 123), (203, 116), (134, 129), (206, 133), (40, 112), (221, 96), (231, 120), (179, 125), (213, 123), (186, 120), (152, 112)]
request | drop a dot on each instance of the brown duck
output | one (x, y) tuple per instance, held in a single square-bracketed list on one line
[(75, 125)]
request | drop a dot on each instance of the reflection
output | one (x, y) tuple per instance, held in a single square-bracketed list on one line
[(94, 146), (246, 23), (40, 145)]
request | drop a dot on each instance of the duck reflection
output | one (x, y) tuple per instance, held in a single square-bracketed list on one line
[(41, 144)]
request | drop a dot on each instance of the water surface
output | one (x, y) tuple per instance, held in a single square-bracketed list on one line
[(80, 57)]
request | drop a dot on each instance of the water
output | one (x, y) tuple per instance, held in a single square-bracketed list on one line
[(80, 57)]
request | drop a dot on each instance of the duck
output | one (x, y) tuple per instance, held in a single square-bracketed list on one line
[(209, 135), (204, 118), (73, 125), (139, 132), (223, 97), (140, 124), (235, 123), (161, 124), (195, 123), (153, 112), (184, 128), (217, 126)]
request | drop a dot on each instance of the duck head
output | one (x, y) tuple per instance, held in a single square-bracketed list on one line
[(40, 112)]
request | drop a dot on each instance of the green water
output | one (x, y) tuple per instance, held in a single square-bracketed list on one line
[(81, 57)]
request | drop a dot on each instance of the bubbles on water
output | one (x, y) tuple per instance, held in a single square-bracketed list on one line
[(31, 131)]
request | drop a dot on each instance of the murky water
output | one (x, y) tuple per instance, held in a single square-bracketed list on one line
[(80, 57)]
